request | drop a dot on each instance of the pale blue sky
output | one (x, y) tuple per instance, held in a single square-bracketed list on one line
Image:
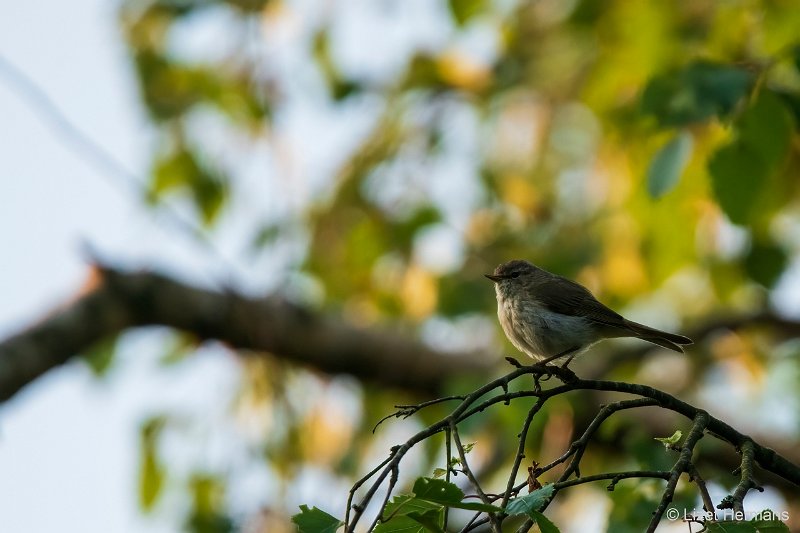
[(68, 443)]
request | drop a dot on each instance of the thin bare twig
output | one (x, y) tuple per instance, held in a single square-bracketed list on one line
[(468, 471), (578, 447), (474, 523), (358, 484), (448, 450), (392, 482), (698, 480), (523, 437), (404, 411), (614, 477)]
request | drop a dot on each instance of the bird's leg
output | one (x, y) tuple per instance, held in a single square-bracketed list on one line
[(569, 375), (559, 355), (548, 373), (570, 356)]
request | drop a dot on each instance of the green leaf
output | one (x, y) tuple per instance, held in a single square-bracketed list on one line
[(422, 72), (151, 479), (544, 523), (695, 93), (753, 526), (530, 502), (408, 513), (738, 174), (464, 10), (207, 493), (764, 526), (400, 524), (171, 89), (172, 172), (404, 504), (439, 472), (669, 441), (100, 356), (768, 522), (315, 521), (338, 87), (178, 348), (432, 521), (668, 165), (209, 523), (210, 192), (765, 262), (767, 126), (151, 472), (437, 490), (740, 170), (447, 494), (181, 169), (728, 526), (266, 235)]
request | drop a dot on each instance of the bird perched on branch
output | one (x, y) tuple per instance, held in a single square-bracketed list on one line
[(550, 317)]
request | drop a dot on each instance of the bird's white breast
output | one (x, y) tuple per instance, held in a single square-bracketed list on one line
[(539, 332)]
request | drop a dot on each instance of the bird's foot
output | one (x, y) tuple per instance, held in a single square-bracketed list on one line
[(543, 373), (566, 375), (561, 372)]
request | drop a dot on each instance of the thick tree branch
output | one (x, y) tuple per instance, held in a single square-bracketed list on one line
[(123, 300)]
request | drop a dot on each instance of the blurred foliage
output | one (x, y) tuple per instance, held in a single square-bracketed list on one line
[(648, 149), (207, 515), (152, 471), (101, 356)]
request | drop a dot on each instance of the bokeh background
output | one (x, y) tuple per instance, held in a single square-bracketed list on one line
[(371, 160)]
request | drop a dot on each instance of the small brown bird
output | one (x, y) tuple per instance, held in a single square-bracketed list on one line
[(551, 317)]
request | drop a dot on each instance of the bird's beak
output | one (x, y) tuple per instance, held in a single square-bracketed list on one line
[(494, 278)]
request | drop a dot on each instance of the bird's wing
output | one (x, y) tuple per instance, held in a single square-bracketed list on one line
[(572, 299)]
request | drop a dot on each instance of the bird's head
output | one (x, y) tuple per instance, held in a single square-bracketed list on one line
[(516, 272)]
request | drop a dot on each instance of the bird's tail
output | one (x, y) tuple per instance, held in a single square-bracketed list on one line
[(671, 341)]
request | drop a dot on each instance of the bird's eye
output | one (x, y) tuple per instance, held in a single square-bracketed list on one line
[(515, 275)]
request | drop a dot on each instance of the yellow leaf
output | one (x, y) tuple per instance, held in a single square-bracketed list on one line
[(462, 71), (419, 292), (520, 192)]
